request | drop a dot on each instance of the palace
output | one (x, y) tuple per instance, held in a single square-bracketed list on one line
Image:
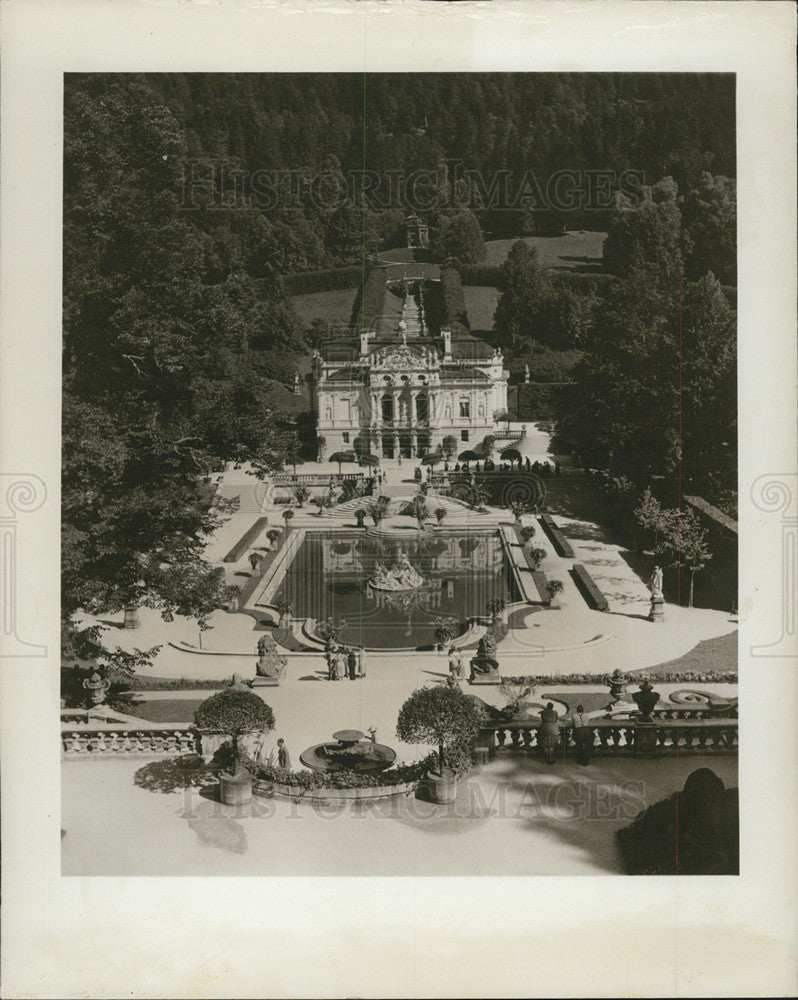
[(399, 384)]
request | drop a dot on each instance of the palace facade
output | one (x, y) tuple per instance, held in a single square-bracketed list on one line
[(401, 386)]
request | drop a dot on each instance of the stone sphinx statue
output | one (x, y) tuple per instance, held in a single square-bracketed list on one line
[(270, 663)]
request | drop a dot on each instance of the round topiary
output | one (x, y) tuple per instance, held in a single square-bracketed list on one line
[(439, 716), (235, 713)]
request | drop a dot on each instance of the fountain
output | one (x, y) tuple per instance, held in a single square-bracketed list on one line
[(352, 751), (401, 576)]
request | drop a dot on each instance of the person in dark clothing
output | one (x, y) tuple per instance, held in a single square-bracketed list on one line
[(351, 661), (583, 735), (549, 733)]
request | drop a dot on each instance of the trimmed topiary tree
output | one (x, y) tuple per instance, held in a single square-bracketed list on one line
[(235, 713), (439, 716)]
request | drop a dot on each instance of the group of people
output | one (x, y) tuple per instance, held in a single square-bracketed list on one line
[(549, 733), (539, 468), (345, 661)]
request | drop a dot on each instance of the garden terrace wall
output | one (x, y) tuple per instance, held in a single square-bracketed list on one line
[(557, 538), (589, 589), (246, 540)]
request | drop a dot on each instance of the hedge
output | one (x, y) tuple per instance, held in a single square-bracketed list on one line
[(633, 677), (369, 304), (454, 307), (330, 280), (480, 274)]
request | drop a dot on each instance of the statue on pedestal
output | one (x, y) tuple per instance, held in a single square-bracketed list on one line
[(655, 582), (485, 666), (657, 612)]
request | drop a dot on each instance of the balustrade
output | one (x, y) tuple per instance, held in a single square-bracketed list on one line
[(694, 734), (124, 741)]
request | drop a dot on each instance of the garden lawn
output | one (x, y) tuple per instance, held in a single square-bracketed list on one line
[(167, 709), (718, 655), (570, 252), (333, 307)]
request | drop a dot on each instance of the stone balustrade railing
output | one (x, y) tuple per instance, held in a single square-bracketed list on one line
[(110, 740), (693, 735), (314, 478)]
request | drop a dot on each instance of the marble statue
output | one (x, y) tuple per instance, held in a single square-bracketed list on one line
[(655, 583), (401, 576)]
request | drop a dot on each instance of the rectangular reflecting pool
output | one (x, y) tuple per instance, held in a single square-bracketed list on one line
[(390, 589)]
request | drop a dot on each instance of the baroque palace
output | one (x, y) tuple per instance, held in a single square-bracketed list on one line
[(407, 373)]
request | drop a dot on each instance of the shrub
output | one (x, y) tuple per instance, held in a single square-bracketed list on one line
[(536, 557), (439, 715), (235, 713), (553, 588), (287, 516), (445, 630), (301, 493)]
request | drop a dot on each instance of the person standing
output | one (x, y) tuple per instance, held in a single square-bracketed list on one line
[(340, 664), (329, 656), (361, 662), (460, 666), (549, 733), (283, 756), (583, 735), (351, 662), (452, 660), (262, 751)]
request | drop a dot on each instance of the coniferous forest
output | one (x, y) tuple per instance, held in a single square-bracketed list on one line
[(189, 199)]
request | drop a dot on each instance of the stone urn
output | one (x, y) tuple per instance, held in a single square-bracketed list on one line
[(645, 726), (645, 699), (617, 682)]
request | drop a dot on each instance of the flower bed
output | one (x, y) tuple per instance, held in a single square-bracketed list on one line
[(633, 677), (341, 784)]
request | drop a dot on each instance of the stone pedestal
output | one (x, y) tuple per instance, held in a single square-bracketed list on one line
[(484, 670), (645, 739), (657, 612), (132, 616)]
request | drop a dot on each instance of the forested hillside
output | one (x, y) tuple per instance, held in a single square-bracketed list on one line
[(177, 233)]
